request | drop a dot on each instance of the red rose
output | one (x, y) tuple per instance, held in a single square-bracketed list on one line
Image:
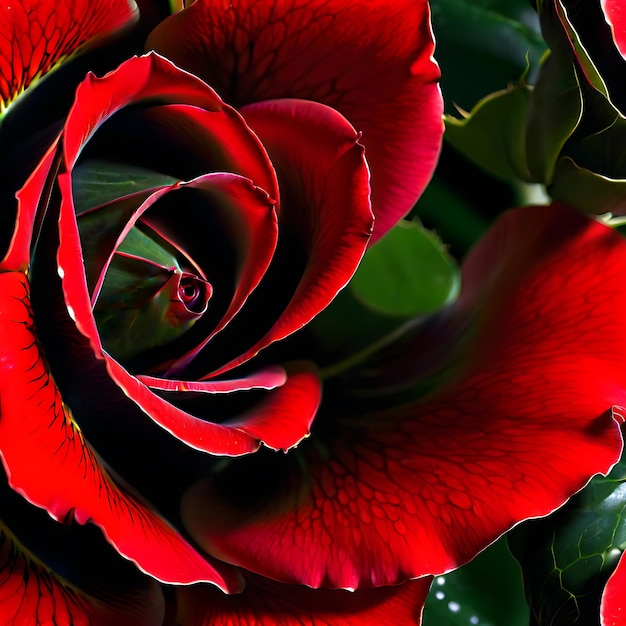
[(119, 309)]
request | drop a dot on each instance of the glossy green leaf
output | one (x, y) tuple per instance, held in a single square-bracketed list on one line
[(485, 592), (407, 273), (567, 557), (96, 182)]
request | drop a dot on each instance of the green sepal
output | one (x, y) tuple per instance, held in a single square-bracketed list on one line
[(492, 134), (567, 557), (554, 114), (586, 190), (98, 182)]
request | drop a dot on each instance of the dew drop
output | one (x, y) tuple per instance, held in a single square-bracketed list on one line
[(455, 607)]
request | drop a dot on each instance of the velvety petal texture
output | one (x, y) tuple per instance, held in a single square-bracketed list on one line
[(514, 416), (36, 35), (265, 602), (371, 61)]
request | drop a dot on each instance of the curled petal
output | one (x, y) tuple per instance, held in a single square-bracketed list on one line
[(280, 422), (370, 61), (325, 218), (179, 101), (75, 484), (515, 418)]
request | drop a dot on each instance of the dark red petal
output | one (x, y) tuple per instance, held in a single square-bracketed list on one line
[(244, 437), (325, 205), (615, 15), (250, 222), (613, 603), (68, 479), (151, 80), (36, 35), (268, 378), (370, 61), (31, 593), (519, 419), (29, 200), (265, 601), (281, 421)]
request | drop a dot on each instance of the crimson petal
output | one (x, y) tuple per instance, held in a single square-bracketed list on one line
[(279, 422), (75, 484), (36, 35), (370, 61), (615, 15), (613, 603), (324, 206), (46, 579), (30, 593), (518, 421), (180, 99), (265, 601)]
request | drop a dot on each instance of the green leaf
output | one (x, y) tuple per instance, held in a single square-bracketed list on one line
[(407, 273), (97, 182), (485, 592), (567, 557)]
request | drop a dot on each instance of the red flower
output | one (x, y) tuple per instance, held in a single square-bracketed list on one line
[(370, 61), (494, 411), (119, 309), (612, 604)]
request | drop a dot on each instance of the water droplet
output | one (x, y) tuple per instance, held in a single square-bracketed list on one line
[(455, 607)]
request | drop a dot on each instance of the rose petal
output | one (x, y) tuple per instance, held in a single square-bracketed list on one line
[(325, 217), (372, 62), (265, 601), (32, 594), (615, 15), (32, 200), (519, 419), (279, 422), (36, 35), (74, 483), (268, 378), (172, 97), (46, 579), (612, 605)]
